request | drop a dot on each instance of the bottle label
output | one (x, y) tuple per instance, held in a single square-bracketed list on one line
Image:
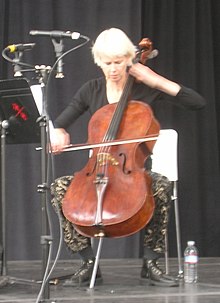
[(191, 259)]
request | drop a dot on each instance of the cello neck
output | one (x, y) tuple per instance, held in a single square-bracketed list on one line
[(142, 55), (118, 114)]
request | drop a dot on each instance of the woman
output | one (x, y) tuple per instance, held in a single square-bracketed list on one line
[(113, 52)]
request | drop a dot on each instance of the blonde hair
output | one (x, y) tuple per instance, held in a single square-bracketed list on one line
[(112, 42)]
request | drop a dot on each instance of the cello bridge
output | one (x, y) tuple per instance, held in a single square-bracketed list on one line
[(105, 158)]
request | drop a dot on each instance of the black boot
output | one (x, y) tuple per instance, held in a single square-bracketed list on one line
[(155, 276), (83, 275)]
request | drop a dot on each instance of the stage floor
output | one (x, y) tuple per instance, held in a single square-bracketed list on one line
[(121, 283)]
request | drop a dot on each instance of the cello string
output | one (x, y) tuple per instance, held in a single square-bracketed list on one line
[(113, 128), (117, 115), (103, 155)]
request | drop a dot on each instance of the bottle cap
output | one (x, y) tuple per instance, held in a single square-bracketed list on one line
[(190, 243)]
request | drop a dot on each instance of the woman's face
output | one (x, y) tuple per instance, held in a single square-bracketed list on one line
[(115, 68)]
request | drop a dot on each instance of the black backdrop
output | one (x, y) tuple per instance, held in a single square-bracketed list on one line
[(186, 33)]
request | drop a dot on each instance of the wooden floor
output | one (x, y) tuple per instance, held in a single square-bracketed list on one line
[(121, 283)]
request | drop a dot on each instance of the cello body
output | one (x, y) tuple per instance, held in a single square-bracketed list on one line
[(111, 196)]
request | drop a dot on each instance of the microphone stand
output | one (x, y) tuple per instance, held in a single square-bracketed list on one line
[(46, 238)]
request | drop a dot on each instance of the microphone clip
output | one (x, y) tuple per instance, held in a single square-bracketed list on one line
[(42, 71), (16, 61), (59, 48)]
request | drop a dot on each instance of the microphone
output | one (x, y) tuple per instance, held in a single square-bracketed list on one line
[(56, 34), (19, 47)]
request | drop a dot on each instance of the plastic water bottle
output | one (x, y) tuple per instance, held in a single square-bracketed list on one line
[(190, 263)]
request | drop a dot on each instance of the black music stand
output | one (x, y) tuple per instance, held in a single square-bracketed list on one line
[(18, 123)]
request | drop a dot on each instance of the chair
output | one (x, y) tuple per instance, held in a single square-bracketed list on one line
[(165, 162)]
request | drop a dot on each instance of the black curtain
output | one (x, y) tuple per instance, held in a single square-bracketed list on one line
[(186, 33)]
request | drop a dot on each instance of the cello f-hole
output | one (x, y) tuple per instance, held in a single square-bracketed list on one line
[(125, 171)]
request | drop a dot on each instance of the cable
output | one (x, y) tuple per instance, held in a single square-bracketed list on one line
[(12, 60)]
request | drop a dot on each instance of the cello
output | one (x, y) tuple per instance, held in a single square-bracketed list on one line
[(111, 196)]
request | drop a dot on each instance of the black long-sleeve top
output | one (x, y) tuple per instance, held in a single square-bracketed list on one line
[(92, 96)]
